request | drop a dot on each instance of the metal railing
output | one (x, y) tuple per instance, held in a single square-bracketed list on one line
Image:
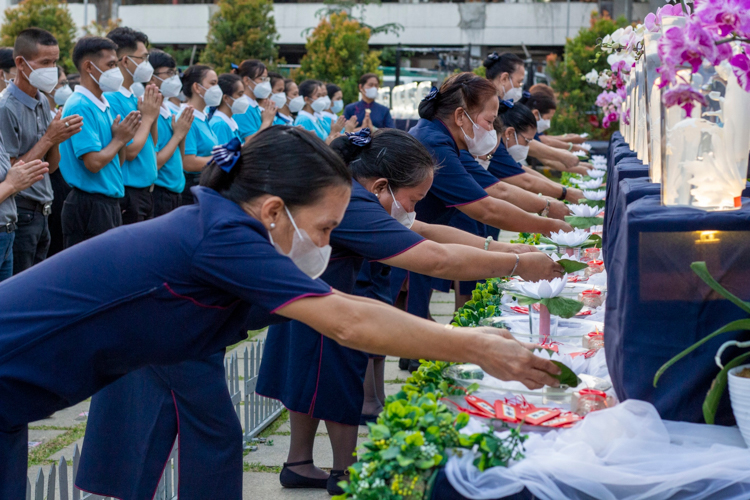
[(254, 411)]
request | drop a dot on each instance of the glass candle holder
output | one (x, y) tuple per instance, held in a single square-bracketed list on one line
[(542, 324), (587, 400), (595, 267), (593, 341), (591, 254), (591, 298), (574, 252)]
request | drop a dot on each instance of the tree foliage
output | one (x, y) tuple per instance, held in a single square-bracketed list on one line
[(46, 14), (239, 30), (576, 97), (338, 51)]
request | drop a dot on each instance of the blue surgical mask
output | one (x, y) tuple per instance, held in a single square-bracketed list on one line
[(337, 106)]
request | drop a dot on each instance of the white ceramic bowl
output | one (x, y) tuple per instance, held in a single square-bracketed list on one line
[(739, 395)]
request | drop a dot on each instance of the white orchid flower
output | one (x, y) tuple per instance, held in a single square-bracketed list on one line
[(543, 289), (592, 76), (572, 239), (584, 210), (594, 195)]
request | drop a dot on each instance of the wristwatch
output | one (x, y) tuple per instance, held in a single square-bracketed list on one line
[(564, 194)]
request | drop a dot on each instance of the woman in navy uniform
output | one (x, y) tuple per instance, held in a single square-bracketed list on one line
[(182, 286), (321, 380), (368, 112), (460, 116)]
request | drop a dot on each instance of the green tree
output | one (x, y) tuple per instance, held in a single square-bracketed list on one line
[(576, 97), (239, 30), (46, 14), (338, 51)]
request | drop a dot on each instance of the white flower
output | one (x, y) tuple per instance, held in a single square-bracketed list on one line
[(600, 165), (595, 195), (599, 158), (543, 289), (584, 210), (597, 174), (586, 146), (592, 76), (574, 238), (603, 80), (556, 257), (592, 184)]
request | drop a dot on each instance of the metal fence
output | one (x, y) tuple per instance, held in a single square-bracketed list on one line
[(254, 412)]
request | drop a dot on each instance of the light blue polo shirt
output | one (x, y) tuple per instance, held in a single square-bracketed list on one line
[(250, 121), (282, 119), (200, 139), (95, 135), (141, 171), (324, 121), (309, 122), (170, 174), (225, 127)]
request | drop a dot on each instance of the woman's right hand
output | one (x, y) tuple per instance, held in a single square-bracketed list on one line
[(535, 266), (508, 359), (574, 195)]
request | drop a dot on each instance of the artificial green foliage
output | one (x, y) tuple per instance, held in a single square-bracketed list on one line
[(527, 238), (575, 96), (239, 30), (46, 14), (484, 303), (584, 222), (430, 378), (571, 266), (718, 386), (338, 51), (567, 376)]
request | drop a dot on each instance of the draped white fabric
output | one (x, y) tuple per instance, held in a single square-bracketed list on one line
[(625, 453)]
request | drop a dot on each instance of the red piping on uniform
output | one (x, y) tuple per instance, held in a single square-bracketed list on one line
[(402, 251), (317, 381), (295, 299), (166, 285)]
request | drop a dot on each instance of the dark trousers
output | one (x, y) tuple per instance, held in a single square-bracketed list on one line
[(164, 200), (14, 450), (86, 215), (191, 179), (137, 205), (60, 189), (32, 239)]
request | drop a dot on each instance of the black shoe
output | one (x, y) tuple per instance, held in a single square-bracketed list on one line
[(364, 419), (413, 365), (333, 480), (403, 363), (290, 479)]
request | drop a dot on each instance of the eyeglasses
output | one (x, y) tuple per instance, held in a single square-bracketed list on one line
[(169, 72), (526, 139), (140, 58)]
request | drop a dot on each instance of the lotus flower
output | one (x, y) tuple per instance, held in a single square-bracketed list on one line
[(597, 174), (584, 210), (599, 158), (543, 289), (594, 195), (556, 257), (574, 238), (600, 165), (592, 184), (586, 146)]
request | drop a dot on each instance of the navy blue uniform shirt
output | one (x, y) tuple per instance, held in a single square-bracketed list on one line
[(379, 115), (502, 164)]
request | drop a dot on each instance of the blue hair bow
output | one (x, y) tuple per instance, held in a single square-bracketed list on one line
[(361, 138), (526, 94), (234, 66), (507, 103), (226, 155), (493, 57), (432, 95)]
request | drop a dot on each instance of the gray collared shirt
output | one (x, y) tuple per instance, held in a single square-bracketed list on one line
[(8, 207), (23, 122)]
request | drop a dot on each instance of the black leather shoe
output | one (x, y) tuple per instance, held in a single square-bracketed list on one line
[(365, 419), (290, 479), (334, 479), (403, 363), (414, 365)]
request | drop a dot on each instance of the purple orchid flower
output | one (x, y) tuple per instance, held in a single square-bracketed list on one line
[(726, 16), (685, 96), (609, 119), (653, 22), (741, 67)]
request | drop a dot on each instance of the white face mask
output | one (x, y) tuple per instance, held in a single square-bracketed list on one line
[(171, 87), (542, 125), (518, 152), (514, 94), (399, 213), (484, 141), (319, 104), (138, 89), (296, 104), (484, 163), (44, 79), (212, 96), (337, 106), (262, 90), (279, 99), (328, 102), (240, 105), (62, 94), (306, 255), (371, 93), (143, 71), (110, 80)]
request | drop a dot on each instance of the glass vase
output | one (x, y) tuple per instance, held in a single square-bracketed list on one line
[(653, 103), (574, 252), (542, 324)]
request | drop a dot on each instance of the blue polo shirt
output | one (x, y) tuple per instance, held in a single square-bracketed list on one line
[(281, 119), (379, 115), (250, 121), (452, 186), (325, 122), (170, 174), (140, 172), (225, 127), (502, 164), (309, 122), (95, 135), (200, 140)]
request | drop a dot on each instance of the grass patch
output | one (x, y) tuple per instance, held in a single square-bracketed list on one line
[(47, 428), (271, 429), (395, 381), (251, 334), (258, 467), (38, 455)]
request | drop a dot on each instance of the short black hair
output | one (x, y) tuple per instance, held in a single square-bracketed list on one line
[(127, 39), (332, 88), (91, 46), (28, 39), (7, 61), (194, 74), (366, 77), (497, 64), (160, 59), (309, 87)]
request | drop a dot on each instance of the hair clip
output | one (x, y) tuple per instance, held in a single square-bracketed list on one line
[(432, 95), (494, 56), (234, 66), (361, 138), (226, 155), (508, 104), (526, 94)]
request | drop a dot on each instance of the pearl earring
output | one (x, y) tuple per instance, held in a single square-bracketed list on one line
[(377, 195), (273, 225)]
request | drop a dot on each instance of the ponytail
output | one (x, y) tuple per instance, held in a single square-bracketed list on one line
[(194, 74), (497, 64), (464, 90)]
